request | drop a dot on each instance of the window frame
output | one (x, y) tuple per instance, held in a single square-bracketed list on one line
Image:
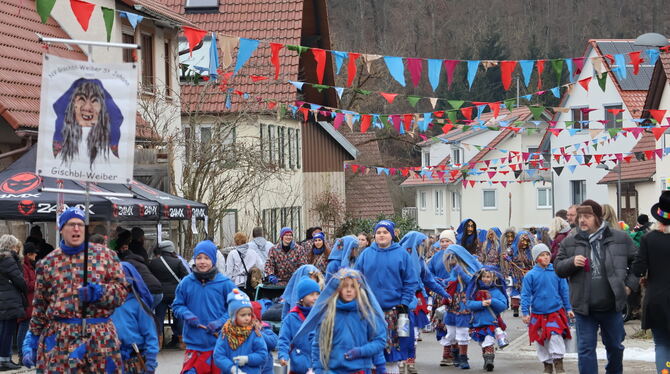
[(148, 62), (612, 124), (272, 135), (298, 149), (495, 199), (549, 198), (582, 117), (457, 156), (455, 201), (213, 4), (129, 55), (439, 202), (426, 158), (423, 203), (289, 132), (582, 193), (167, 51)]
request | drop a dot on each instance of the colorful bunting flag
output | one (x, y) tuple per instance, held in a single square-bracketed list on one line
[(351, 68), (396, 68), (320, 58), (450, 67), (506, 70), (539, 64), (274, 58), (193, 36), (108, 18), (585, 83), (133, 19), (247, 48), (82, 12), (434, 68), (415, 67), (472, 71), (339, 59), (213, 59)]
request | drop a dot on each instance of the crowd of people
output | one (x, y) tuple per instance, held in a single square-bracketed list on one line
[(357, 304)]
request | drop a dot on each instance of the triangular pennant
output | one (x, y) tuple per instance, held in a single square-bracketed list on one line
[(506, 70), (246, 49), (539, 64), (472, 183), (472, 71), (537, 111), (434, 68), (450, 67), (423, 125), (82, 12), (579, 63), (585, 83), (388, 96), (340, 91), (213, 58), (433, 101), (446, 128), (657, 114), (572, 168), (339, 118), (274, 57), (517, 173), (636, 60), (413, 100), (415, 67), (366, 121), (598, 158), (108, 17), (659, 153), (659, 131), (602, 81), (495, 108), (133, 19), (620, 68), (368, 59), (351, 68), (557, 64), (467, 112), (339, 59), (526, 70), (297, 48), (193, 36), (456, 104), (653, 56), (320, 58), (556, 91), (510, 104), (568, 64), (558, 170), (44, 8), (297, 85), (396, 68)]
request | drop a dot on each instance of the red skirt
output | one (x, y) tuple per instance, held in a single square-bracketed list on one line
[(542, 326)]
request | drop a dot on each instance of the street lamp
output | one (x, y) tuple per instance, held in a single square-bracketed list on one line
[(618, 186)]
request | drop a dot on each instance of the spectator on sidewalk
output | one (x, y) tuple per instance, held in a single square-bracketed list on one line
[(595, 261)]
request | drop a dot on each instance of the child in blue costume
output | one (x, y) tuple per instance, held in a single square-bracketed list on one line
[(415, 243), (437, 268), (200, 301), (393, 277), (348, 327), (486, 299), (240, 348), (520, 263), (134, 324), (298, 351), (467, 236), (462, 266), (343, 255), (290, 297), (269, 336)]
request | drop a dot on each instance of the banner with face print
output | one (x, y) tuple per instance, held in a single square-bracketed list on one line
[(87, 121)]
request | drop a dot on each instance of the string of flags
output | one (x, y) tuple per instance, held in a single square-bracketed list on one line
[(396, 65)]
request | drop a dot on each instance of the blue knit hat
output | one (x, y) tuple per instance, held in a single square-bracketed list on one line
[(237, 300), (306, 286), (319, 235), (69, 214), (388, 225), (284, 231), (208, 248)]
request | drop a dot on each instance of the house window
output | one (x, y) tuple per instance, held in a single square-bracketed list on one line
[(272, 136), (613, 121), (489, 199), (282, 147), (205, 134), (535, 158), (230, 134), (426, 159), (455, 201), (148, 62), (195, 62), (128, 53), (201, 4), (168, 69), (422, 200), (439, 202), (578, 191), (298, 149), (544, 198), (264, 146), (578, 115), (291, 160), (457, 156)]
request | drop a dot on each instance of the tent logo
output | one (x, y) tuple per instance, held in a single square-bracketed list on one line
[(20, 183), (26, 207)]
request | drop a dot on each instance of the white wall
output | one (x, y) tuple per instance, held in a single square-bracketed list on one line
[(663, 166), (429, 219), (594, 98)]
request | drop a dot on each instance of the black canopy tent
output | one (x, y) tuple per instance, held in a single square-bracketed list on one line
[(26, 196)]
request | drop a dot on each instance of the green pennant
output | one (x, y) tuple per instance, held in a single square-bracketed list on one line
[(530, 130), (479, 147), (361, 91), (44, 8), (453, 116), (602, 81), (557, 64), (493, 128), (413, 100), (108, 16), (466, 128), (509, 104), (537, 110), (320, 87), (568, 124), (613, 131), (456, 104), (297, 48), (595, 146), (385, 120)]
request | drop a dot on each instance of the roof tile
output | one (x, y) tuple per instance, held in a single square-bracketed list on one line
[(636, 170)]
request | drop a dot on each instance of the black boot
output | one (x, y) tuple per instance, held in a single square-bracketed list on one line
[(488, 361), (463, 357), (457, 357)]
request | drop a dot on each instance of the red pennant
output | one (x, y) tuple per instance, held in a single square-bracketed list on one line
[(659, 153), (351, 67), (539, 65), (446, 128), (598, 158), (467, 112), (556, 132), (628, 159), (491, 174), (579, 63), (320, 58), (649, 155), (506, 70), (407, 120), (504, 183), (415, 67), (305, 113), (258, 78), (513, 166), (366, 121), (274, 59), (487, 163), (454, 173), (636, 60), (404, 171), (495, 108), (659, 131), (615, 111), (619, 156), (585, 83), (272, 104), (567, 157), (193, 35), (515, 129), (657, 114), (557, 158), (449, 67), (472, 183), (465, 183), (389, 96), (82, 11)]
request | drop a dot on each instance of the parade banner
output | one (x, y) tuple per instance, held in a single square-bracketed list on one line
[(87, 121)]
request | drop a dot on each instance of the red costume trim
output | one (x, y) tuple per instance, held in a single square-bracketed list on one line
[(542, 326)]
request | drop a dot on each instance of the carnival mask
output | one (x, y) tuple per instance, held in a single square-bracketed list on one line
[(524, 242), (470, 228)]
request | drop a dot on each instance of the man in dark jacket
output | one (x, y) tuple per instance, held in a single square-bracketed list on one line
[(153, 284), (37, 239), (596, 262)]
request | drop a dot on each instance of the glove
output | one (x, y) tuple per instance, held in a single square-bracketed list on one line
[(191, 320), (240, 360), (353, 354), (28, 359), (380, 369), (90, 293), (273, 279), (236, 370), (214, 326), (29, 347)]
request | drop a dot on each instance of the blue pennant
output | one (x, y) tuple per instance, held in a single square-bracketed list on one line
[(434, 68), (396, 68), (572, 168), (472, 71), (527, 70), (297, 85), (246, 49), (339, 60)]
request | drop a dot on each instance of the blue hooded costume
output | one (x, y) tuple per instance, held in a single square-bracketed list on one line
[(340, 256), (134, 322), (469, 242), (458, 314), (352, 332), (290, 297), (204, 301), (522, 261), (490, 251), (485, 319)]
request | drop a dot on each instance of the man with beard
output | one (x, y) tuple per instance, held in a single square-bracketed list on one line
[(466, 236), (572, 220)]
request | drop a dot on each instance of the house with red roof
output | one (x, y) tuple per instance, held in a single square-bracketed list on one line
[(593, 112), (489, 176), (308, 153)]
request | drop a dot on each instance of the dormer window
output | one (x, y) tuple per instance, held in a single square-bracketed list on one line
[(202, 5)]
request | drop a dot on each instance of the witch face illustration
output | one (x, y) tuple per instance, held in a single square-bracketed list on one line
[(86, 104)]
